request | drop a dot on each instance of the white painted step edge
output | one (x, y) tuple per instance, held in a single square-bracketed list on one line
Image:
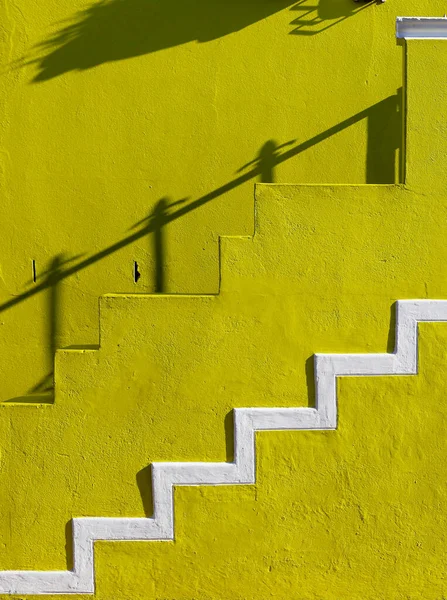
[(86, 530)]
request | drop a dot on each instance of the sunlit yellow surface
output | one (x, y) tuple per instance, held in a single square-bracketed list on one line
[(353, 514), (108, 107)]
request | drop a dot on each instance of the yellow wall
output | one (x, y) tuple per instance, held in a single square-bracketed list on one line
[(106, 109), (90, 143)]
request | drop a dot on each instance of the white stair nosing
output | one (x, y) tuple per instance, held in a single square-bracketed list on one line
[(247, 421)]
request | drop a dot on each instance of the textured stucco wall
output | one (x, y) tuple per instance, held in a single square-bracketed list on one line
[(357, 513), (107, 108), (354, 513)]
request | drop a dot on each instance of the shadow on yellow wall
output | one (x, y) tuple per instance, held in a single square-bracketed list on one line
[(144, 483), (118, 29), (113, 30), (315, 18), (383, 153), (156, 222)]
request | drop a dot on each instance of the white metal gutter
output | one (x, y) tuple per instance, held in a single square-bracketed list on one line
[(421, 28)]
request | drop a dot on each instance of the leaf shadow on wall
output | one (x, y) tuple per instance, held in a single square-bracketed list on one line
[(112, 30)]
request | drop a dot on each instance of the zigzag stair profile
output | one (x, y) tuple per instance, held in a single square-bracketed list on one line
[(403, 361), (242, 470)]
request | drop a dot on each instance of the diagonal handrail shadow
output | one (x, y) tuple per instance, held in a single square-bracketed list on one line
[(325, 14), (266, 161)]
